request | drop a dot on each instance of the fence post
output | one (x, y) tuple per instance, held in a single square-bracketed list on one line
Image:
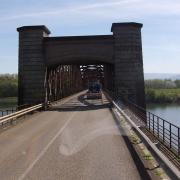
[(163, 130), (153, 123), (170, 134), (149, 121), (178, 141), (158, 126)]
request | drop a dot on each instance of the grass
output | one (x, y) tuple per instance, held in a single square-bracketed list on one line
[(169, 92), (8, 102)]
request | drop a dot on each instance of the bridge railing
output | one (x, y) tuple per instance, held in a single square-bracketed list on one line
[(9, 118), (167, 133), (164, 131), (10, 110)]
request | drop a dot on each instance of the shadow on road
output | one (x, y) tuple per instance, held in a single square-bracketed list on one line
[(82, 104)]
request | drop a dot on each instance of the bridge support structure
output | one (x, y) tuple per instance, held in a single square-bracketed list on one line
[(129, 77), (120, 54), (31, 68), (62, 81)]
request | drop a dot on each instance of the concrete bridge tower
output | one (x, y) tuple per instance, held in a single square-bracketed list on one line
[(128, 61), (31, 64)]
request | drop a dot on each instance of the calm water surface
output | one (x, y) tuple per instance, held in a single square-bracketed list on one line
[(169, 112)]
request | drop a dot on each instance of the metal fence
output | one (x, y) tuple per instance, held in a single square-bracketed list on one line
[(13, 116), (7, 111), (165, 132)]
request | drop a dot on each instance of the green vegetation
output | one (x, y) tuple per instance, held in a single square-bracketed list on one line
[(163, 95), (8, 85), (8, 90), (162, 84), (8, 102), (157, 91), (162, 91)]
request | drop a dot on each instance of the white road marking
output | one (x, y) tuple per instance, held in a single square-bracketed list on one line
[(46, 148)]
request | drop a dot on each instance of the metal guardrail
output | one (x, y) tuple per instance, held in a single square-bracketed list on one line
[(10, 117), (171, 170), (132, 113), (7, 111), (12, 110), (165, 132)]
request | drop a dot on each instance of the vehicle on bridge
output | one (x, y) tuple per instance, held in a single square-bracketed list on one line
[(94, 91)]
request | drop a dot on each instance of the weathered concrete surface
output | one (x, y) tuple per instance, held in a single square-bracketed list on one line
[(77, 140)]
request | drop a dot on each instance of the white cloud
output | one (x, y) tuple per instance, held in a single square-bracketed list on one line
[(68, 9), (160, 33), (104, 9)]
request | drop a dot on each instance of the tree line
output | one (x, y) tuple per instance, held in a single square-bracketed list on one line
[(8, 85), (162, 84), (157, 91), (162, 91)]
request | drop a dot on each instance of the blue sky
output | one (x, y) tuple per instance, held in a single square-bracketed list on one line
[(161, 31)]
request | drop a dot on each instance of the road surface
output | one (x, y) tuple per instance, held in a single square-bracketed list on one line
[(78, 140)]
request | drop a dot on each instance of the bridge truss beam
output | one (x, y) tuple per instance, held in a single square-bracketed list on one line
[(62, 81)]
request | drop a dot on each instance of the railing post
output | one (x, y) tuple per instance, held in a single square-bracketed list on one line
[(153, 123), (149, 121), (178, 141), (158, 126), (170, 135), (163, 130)]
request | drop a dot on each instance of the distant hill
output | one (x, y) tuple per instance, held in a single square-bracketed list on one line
[(161, 76)]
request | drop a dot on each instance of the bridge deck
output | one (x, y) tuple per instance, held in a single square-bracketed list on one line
[(75, 140)]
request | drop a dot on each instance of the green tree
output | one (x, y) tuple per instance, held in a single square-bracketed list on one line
[(177, 82), (150, 95), (8, 85)]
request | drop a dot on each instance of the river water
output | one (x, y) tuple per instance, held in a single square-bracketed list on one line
[(169, 112)]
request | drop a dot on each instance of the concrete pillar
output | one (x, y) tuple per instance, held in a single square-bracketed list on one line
[(31, 64), (129, 76)]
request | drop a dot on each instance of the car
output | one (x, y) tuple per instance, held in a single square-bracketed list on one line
[(94, 91)]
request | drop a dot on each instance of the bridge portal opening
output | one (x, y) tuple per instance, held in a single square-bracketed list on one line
[(101, 73), (65, 80)]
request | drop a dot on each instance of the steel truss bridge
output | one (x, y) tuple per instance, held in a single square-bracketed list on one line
[(57, 133)]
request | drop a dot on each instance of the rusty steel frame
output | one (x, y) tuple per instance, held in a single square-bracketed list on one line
[(65, 80), (62, 81)]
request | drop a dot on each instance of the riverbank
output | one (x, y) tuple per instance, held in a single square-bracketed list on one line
[(163, 95), (8, 102)]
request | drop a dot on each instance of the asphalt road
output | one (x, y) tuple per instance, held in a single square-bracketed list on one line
[(78, 140)]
